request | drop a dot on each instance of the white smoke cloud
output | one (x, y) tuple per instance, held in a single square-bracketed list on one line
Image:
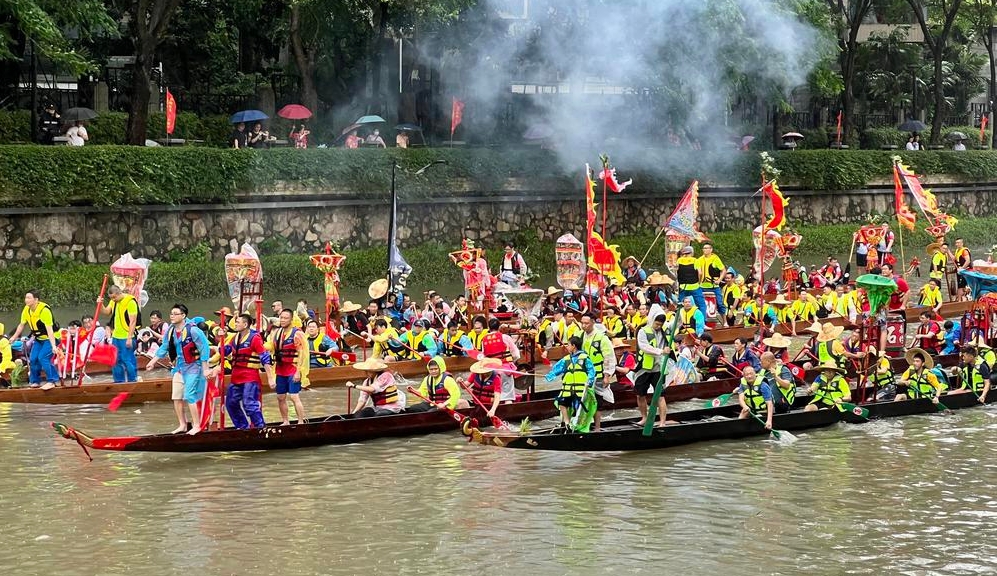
[(630, 70)]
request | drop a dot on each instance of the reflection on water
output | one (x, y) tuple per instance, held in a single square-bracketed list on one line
[(908, 496)]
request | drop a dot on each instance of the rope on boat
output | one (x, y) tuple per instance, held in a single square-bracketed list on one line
[(71, 433)]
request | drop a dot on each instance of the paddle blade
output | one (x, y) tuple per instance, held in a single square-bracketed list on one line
[(475, 354), (856, 410), (105, 354), (941, 407), (776, 434), (718, 401), (117, 401)]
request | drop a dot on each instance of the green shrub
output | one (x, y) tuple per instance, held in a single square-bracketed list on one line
[(15, 126), (874, 138)]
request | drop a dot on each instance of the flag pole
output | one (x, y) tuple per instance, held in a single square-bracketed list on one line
[(605, 201), (761, 245), (903, 259)]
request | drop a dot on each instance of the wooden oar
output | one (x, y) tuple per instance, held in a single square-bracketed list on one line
[(496, 421), (89, 340), (457, 416), (777, 434)]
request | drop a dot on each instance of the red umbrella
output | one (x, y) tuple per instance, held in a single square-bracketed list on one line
[(295, 112)]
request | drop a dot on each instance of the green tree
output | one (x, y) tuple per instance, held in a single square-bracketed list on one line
[(43, 23), (846, 17), (981, 16), (937, 19), (149, 21)]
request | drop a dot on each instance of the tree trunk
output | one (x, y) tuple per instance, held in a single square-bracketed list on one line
[(304, 60), (939, 97), (138, 113), (848, 95)]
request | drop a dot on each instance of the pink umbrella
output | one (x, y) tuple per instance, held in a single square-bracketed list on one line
[(295, 112)]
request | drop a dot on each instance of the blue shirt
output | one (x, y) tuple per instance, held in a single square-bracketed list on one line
[(178, 336), (748, 357), (950, 337)]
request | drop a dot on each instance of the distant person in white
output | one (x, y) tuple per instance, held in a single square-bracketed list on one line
[(959, 146), (77, 134)]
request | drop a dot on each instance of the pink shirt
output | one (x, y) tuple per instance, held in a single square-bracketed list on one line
[(381, 383)]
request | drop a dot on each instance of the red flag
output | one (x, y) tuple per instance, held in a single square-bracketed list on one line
[(456, 115), (839, 126), (171, 112), (983, 127), (614, 185), (905, 216), (779, 203)]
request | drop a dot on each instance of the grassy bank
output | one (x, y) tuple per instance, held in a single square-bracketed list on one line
[(65, 283)]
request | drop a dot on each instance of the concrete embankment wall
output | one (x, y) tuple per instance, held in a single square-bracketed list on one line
[(306, 219)]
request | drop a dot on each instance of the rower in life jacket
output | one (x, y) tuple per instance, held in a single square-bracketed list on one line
[(577, 379), (246, 353), (939, 260), (478, 331), (827, 347), (486, 384), (975, 373), (387, 342), (830, 389), (778, 376), (920, 381), (454, 341), (755, 396), (691, 318), (929, 334), (319, 345), (440, 387), (493, 344)]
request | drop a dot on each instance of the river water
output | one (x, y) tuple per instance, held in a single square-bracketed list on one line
[(908, 496)]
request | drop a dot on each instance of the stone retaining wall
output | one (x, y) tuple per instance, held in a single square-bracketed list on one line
[(96, 235)]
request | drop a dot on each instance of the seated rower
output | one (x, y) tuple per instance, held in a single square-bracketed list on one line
[(626, 364), (485, 383), (710, 355), (778, 345), (454, 341), (691, 317), (929, 336), (379, 389), (440, 387), (320, 346), (989, 357), (975, 372), (387, 343), (743, 356), (780, 380), (420, 340), (827, 347), (919, 381), (931, 295), (755, 397), (830, 389), (578, 374), (952, 336)]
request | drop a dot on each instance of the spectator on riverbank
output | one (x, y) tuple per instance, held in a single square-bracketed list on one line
[(299, 136), (352, 140), (49, 124), (259, 138), (237, 139), (375, 139)]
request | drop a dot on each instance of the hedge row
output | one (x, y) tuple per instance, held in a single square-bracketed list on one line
[(122, 175)]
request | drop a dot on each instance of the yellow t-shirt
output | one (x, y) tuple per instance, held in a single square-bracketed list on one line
[(37, 320), (126, 305)]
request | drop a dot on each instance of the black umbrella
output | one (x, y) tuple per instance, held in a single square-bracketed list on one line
[(74, 114), (406, 127), (913, 126)]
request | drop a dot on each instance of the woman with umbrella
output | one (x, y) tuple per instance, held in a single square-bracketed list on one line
[(77, 133), (299, 136)]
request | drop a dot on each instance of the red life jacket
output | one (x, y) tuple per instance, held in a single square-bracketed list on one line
[(245, 362), (387, 396), (485, 391), (493, 346), (929, 343), (286, 351), (437, 391), (188, 347)]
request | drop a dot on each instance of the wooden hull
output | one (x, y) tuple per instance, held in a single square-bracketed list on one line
[(160, 389), (692, 427), (948, 310)]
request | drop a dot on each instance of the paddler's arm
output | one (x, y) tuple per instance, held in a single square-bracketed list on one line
[(984, 372), (453, 390), (132, 321), (266, 360), (203, 349), (557, 369)]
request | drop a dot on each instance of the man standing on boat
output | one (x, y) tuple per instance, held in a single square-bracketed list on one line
[(123, 310), (188, 348), (711, 272), (687, 274), (246, 352), (599, 349), (577, 374), (755, 397), (290, 353), (651, 349), (963, 261), (37, 318), (898, 301)]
